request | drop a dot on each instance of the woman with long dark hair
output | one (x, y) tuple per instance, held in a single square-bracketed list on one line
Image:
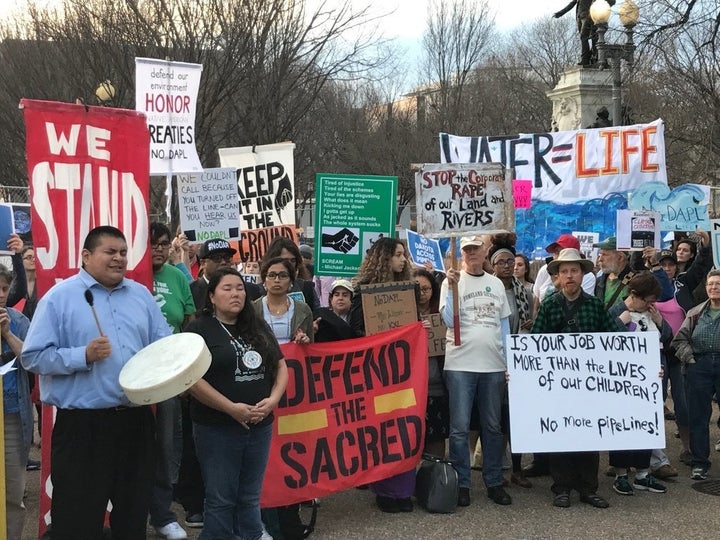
[(232, 407)]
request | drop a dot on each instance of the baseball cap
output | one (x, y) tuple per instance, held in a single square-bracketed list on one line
[(471, 241), (564, 241), (609, 243), (666, 254), (344, 283), (306, 251), (216, 245)]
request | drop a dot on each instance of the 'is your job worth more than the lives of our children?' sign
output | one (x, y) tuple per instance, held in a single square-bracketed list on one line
[(583, 392)]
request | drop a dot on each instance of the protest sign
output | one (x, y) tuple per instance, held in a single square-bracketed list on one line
[(7, 227), (265, 181), (459, 199), (351, 213), (208, 203), (166, 92), (522, 193), (388, 305), (581, 392), (424, 250), (87, 167), (684, 208), (348, 417), (587, 239), (638, 229), (436, 334), (21, 216), (580, 178), (715, 241)]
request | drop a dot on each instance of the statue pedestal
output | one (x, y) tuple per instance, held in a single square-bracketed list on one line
[(578, 96)]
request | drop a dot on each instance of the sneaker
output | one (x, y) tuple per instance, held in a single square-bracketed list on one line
[(698, 473), (32, 465), (622, 486), (717, 446), (194, 521), (649, 484), (172, 531), (265, 534), (666, 471)]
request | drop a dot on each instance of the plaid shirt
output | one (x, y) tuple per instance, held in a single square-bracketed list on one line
[(590, 317)]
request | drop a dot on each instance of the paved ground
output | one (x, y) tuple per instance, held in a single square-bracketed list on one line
[(682, 513)]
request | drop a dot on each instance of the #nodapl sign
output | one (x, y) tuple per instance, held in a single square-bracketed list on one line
[(348, 418), (87, 166)]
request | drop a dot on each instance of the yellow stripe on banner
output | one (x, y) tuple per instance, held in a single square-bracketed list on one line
[(402, 399), (301, 422)]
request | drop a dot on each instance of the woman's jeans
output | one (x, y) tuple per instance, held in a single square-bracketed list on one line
[(702, 382), (233, 460)]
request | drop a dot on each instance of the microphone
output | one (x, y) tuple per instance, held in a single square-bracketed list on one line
[(90, 300)]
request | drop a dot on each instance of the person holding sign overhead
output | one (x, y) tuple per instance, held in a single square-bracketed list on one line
[(475, 369), (572, 310)]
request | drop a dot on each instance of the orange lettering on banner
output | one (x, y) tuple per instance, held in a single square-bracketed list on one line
[(581, 171), (351, 415), (254, 243), (609, 137), (626, 148), (645, 164)]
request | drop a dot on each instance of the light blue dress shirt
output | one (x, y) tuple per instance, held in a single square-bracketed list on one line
[(62, 327)]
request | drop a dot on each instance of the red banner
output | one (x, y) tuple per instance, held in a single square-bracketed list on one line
[(87, 166), (353, 413)]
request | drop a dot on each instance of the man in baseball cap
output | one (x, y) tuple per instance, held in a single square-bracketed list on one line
[(564, 241), (217, 249)]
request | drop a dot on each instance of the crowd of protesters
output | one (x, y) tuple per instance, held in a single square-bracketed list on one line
[(208, 449)]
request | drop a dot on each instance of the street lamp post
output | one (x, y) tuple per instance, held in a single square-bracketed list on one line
[(615, 53), (105, 93)]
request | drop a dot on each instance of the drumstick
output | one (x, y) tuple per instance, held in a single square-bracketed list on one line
[(89, 299)]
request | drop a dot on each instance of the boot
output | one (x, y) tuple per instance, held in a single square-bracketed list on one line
[(685, 454)]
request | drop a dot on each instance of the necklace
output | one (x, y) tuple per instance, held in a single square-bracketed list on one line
[(251, 359), (278, 310)]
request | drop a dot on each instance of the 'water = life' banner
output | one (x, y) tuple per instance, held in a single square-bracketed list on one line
[(87, 166), (581, 392), (580, 178), (348, 417), (167, 93)]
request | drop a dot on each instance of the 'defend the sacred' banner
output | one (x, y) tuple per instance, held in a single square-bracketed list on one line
[(87, 166), (348, 417), (579, 178)]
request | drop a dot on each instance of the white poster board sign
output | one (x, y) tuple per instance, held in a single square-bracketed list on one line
[(209, 205), (587, 239), (166, 92), (638, 229), (583, 392)]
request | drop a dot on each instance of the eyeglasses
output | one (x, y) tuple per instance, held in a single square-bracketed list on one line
[(162, 245), (426, 289), (29, 258), (220, 257), (277, 275), (505, 262)]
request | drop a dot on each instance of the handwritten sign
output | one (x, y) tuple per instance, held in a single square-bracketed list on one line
[(7, 227), (424, 249), (638, 229), (715, 241), (684, 208), (388, 305), (208, 203), (436, 334), (582, 392), (522, 193), (459, 199), (587, 239)]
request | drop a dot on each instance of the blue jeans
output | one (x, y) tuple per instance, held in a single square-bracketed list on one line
[(702, 382), (232, 461), (673, 372), (486, 391)]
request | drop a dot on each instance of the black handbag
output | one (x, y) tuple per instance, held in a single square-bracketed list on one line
[(436, 485)]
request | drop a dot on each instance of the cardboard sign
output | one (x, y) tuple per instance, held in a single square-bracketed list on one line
[(684, 208), (351, 415), (436, 334), (715, 242), (587, 239), (424, 250), (388, 305), (166, 92), (522, 193), (582, 392), (638, 229), (351, 213), (7, 227), (88, 167), (209, 205), (462, 199)]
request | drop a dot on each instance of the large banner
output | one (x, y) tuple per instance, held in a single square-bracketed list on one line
[(348, 417), (580, 178), (266, 188), (684, 208), (457, 199), (351, 213), (581, 392), (87, 166), (166, 92)]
